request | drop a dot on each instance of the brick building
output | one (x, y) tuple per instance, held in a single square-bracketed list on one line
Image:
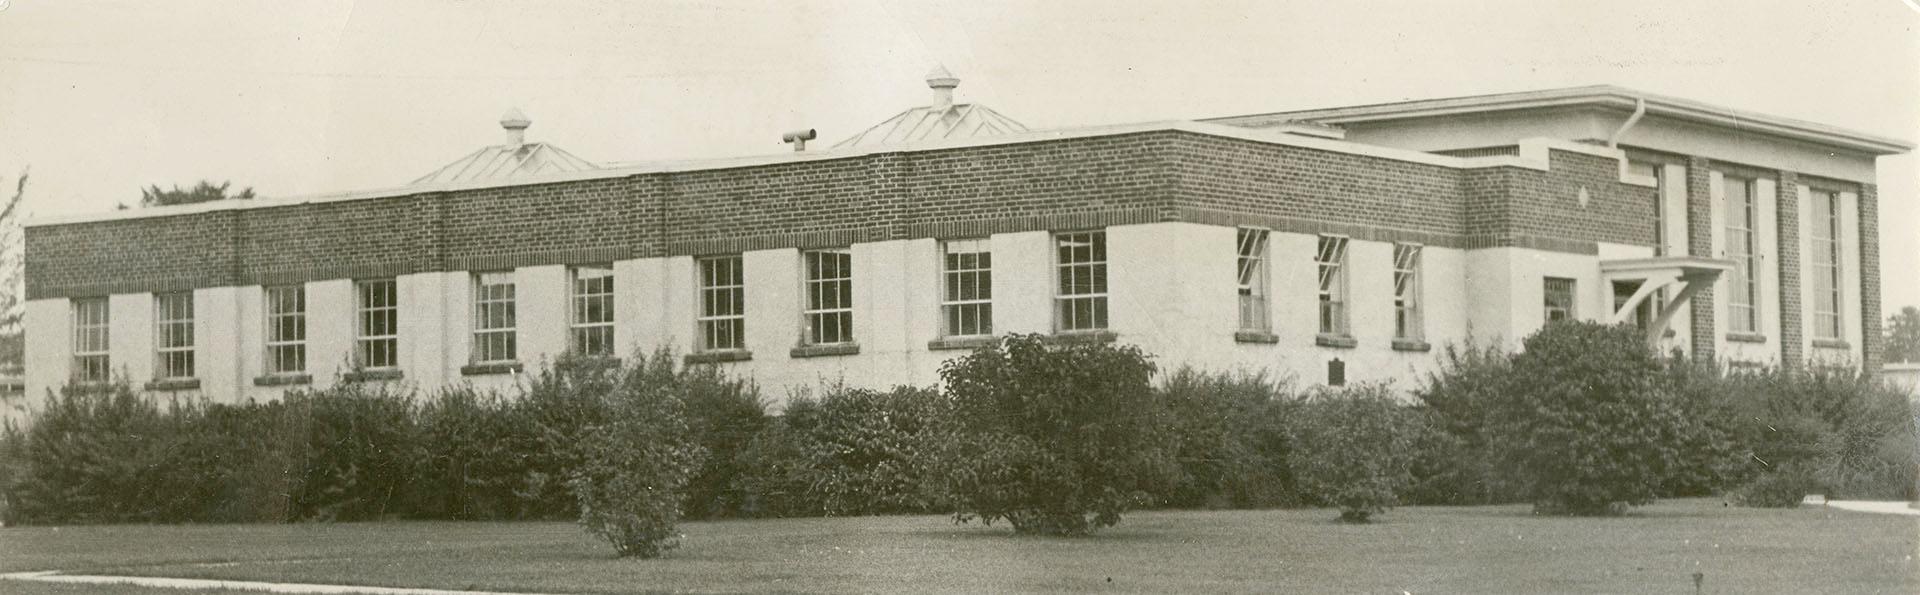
[(1328, 245)]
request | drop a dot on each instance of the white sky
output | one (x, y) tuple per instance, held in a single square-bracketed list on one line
[(102, 98)]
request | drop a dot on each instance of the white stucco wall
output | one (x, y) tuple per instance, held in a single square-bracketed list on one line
[(48, 325)]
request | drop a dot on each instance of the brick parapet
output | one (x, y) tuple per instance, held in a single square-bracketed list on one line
[(1700, 243), (1787, 203)]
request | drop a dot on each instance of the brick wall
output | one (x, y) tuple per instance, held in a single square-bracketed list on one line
[(1870, 338), (1787, 203), (1700, 243)]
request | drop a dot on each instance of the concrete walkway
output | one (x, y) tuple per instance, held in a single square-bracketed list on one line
[(1875, 506), (50, 576)]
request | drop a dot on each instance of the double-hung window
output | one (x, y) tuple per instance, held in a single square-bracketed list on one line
[(286, 329), (723, 310), (591, 317), (1252, 278), (376, 341), (1826, 266), (1406, 292), (1080, 303), (1559, 299), (495, 320), (1331, 259), (173, 335), (966, 303), (829, 287), (90, 328), (1743, 286)]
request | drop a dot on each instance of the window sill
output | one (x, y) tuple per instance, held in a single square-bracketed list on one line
[(831, 350), (1081, 337), (167, 384), (373, 375), (719, 357), (1255, 337), (282, 379), (1746, 338), (1411, 345), (1831, 344), (90, 385), (1339, 341), (947, 343), (490, 369)]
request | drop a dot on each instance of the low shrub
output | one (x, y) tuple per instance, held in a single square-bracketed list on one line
[(1233, 443), (1352, 448), (635, 463), (849, 452), (724, 415), (356, 459), (1054, 439), (1456, 410), (1779, 489), (1848, 435), (480, 460), (93, 455)]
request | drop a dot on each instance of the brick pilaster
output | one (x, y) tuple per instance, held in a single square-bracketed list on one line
[(1870, 339), (1700, 243), (1787, 199)]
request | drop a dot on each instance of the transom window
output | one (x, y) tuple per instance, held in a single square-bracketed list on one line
[(1332, 261), (90, 340), (495, 320), (966, 303), (1252, 277), (286, 329), (1743, 286), (592, 303), (1406, 291), (1080, 304), (1826, 265), (829, 311), (723, 311), (377, 336), (173, 335), (1559, 299)]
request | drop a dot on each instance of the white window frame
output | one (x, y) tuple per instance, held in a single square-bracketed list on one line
[(286, 354), (1407, 319), (1743, 301), (1252, 274), (1657, 171), (376, 325), (1330, 259), (92, 340), (721, 281), (1572, 307), (173, 335), (966, 288), (826, 314), (495, 318), (1825, 232), (1080, 281), (590, 307)]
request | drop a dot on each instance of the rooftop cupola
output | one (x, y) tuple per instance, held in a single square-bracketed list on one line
[(516, 158), (516, 124), (942, 83)]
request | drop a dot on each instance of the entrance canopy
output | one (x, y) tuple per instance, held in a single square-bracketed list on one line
[(1676, 277)]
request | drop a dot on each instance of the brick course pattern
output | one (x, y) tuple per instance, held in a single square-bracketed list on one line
[(1084, 182), (1700, 243), (1787, 203), (1870, 338)]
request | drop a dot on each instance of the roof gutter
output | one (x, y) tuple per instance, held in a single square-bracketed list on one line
[(1639, 109)]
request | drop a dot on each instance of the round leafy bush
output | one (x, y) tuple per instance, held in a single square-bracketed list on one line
[(635, 464), (1053, 439), (1352, 449)]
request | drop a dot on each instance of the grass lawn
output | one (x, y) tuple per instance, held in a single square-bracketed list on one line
[(1496, 549)]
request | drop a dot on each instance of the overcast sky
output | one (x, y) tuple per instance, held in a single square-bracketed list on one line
[(291, 98)]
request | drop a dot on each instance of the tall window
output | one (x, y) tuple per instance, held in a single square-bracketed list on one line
[(1080, 304), (286, 329), (1406, 291), (591, 327), (1826, 265), (90, 363), (173, 334), (377, 338), (829, 286), (723, 310), (495, 321), (966, 303), (1743, 285), (1655, 171), (1332, 261), (1252, 277), (1559, 299)]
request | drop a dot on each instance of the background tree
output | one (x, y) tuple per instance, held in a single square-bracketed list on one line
[(12, 336), (154, 196), (1903, 335)]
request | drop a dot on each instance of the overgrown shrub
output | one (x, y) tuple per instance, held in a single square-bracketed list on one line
[(91, 455), (724, 416), (1233, 443), (1352, 448), (479, 454), (356, 459), (635, 463), (1782, 488), (1456, 408), (1588, 423), (1846, 435), (1054, 439), (849, 452)]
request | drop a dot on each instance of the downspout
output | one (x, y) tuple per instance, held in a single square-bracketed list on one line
[(1639, 109)]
